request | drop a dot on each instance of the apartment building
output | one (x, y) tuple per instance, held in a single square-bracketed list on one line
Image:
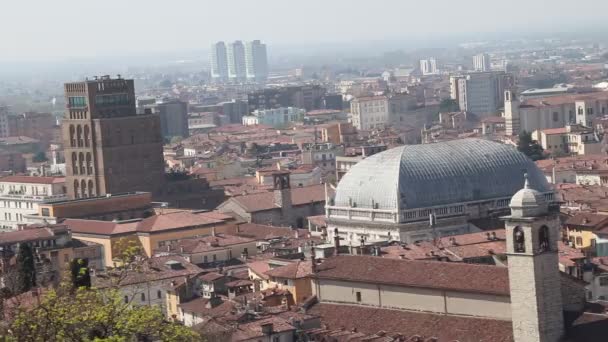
[(21, 196)]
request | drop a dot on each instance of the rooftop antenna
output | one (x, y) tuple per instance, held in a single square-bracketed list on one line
[(432, 224)]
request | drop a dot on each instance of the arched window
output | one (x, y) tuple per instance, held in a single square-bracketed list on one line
[(580, 111), (72, 137), (519, 240), (74, 163), (91, 189), (83, 188), (76, 189), (543, 239), (87, 137), (79, 135), (89, 164), (81, 163)]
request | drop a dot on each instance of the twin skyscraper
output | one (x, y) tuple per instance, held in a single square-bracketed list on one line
[(238, 62)]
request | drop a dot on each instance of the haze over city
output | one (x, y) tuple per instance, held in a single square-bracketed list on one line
[(35, 30)]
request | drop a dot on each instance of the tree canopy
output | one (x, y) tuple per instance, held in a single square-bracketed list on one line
[(77, 312), (26, 268), (82, 314)]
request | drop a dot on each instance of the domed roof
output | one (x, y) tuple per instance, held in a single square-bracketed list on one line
[(528, 202), (418, 176)]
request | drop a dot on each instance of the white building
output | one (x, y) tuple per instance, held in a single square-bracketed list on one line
[(21, 195), (237, 68), (553, 112), (4, 122), (481, 62), (369, 112), (572, 139), (256, 61), (274, 117), (219, 62), (428, 66)]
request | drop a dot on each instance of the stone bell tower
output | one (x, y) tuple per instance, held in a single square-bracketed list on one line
[(536, 301)]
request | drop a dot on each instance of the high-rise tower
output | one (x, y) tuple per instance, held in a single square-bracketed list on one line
[(108, 147), (237, 68), (219, 62), (256, 61), (534, 276)]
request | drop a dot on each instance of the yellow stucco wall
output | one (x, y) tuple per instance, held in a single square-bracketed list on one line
[(584, 235), (106, 244)]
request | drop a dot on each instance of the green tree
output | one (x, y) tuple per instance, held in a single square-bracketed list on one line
[(26, 268), (79, 270), (75, 315), (40, 157), (529, 147)]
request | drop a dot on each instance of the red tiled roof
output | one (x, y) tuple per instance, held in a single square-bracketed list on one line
[(207, 243), (425, 274), (589, 221), (265, 201), (563, 99), (199, 306), (177, 220), (259, 268), (319, 220), (156, 223), (549, 131), (493, 119), (152, 269), (29, 234), (445, 328), (211, 276), (239, 283), (260, 231), (295, 270), (33, 180)]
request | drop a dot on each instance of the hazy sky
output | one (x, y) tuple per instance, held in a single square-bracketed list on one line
[(38, 29)]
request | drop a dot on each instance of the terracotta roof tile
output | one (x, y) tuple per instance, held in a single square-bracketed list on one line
[(153, 269), (265, 201), (212, 276), (30, 234), (295, 270), (207, 243), (156, 223), (445, 328), (425, 274)]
